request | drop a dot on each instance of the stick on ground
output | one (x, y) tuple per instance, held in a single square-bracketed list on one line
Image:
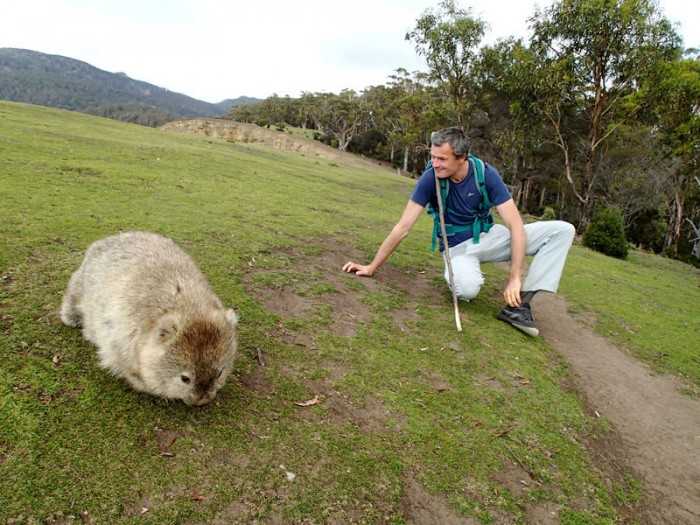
[(447, 254)]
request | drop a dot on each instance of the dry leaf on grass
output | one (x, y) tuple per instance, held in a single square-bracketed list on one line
[(309, 403)]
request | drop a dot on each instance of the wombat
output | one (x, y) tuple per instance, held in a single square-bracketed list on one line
[(153, 316)]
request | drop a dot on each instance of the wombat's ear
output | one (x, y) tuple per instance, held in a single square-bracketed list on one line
[(231, 316)]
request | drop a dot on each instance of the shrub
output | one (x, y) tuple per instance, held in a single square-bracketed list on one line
[(325, 138), (605, 234), (548, 214), (367, 143)]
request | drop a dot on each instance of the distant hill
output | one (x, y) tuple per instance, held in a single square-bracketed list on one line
[(65, 83)]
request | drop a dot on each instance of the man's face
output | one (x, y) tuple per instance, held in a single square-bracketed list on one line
[(444, 161)]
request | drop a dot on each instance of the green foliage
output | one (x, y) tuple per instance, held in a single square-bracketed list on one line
[(629, 492), (606, 234), (324, 138), (449, 39), (587, 54), (648, 230), (141, 114), (367, 143), (549, 214)]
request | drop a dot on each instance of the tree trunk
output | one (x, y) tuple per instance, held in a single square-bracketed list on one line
[(344, 140), (518, 184), (405, 158), (564, 146), (525, 193), (675, 222), (696, 239), (587, 199), (543, 194)]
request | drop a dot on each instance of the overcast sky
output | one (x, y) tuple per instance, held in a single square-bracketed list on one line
[(218, 49)]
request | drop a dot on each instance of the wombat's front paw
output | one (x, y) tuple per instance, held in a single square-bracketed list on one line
[(73, 320)]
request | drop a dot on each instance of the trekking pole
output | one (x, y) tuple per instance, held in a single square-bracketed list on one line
[(447, 254)]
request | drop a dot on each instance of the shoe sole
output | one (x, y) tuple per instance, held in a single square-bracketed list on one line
[(529, 330)]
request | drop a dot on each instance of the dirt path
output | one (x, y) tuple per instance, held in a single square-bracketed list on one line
[(656, 427)]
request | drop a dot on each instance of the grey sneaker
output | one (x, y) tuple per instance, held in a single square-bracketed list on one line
[(520, 318)]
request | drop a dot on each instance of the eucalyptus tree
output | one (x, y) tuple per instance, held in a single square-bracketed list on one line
[(304, 108), (449, 40), (514, 129), (545, 110), (590, 55), (340, 115), (411, 116), (673, 98), (636, 175), (378, 101)]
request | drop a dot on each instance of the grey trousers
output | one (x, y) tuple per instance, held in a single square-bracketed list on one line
[(547, 241)]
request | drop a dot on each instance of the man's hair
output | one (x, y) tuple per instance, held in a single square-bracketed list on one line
[(455, 137)]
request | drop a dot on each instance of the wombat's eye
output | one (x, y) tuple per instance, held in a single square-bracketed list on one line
[(185, 379)]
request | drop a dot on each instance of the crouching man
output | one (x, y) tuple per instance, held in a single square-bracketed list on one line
[(468, 189)]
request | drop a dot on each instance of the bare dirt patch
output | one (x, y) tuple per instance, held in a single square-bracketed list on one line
[(297, 300), (422, 508)]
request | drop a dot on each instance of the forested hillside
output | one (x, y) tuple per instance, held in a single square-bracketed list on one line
[(65, 83)]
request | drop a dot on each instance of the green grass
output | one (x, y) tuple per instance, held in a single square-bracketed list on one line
[(646, 304), (75, 441)]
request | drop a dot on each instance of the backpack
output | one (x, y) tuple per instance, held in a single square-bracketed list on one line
[(481, 222)]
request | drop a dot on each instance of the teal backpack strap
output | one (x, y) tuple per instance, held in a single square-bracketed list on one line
[(478, 166), (484, 220)]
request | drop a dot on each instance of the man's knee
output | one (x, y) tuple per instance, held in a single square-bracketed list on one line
[(466, 290), (566, 230)]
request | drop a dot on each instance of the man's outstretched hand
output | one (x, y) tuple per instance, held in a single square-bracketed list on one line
[(359, 269)]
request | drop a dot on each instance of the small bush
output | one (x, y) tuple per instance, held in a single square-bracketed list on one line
[(548, 214), (606, 235), (325, 138), (367, 143)]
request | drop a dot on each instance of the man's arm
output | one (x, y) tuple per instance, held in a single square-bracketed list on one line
[(398, 233), (514, 222)]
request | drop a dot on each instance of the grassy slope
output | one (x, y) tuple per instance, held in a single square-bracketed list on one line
[(75, 440)]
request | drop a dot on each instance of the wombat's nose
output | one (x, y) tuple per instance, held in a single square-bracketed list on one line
[(201, 400)]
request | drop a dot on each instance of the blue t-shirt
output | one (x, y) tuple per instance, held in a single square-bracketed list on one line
[(463, 198)]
